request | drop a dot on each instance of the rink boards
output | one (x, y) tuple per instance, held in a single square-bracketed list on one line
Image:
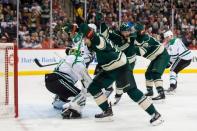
[(26, 65)]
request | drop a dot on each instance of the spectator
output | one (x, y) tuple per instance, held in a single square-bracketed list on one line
[(155, 14), (45, 13), (79, 13), (193, 46), (47, 43), (3, 39), (34, 20), (27, 42)]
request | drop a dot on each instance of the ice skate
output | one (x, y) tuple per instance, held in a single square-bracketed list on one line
[(117, 99), (160, 98), (149, 92), (156, 119), (161, 95), (170, 91), (105, 116), (109, 91)]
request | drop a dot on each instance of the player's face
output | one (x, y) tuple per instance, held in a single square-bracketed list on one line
[(168, 38), (87, 42), (125, 33)]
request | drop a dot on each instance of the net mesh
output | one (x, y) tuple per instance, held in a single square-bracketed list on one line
[(7, 88)]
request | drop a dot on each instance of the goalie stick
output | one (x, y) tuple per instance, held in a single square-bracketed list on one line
[(41, 65)]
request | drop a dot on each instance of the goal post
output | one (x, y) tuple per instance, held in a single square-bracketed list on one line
[(8, 80)]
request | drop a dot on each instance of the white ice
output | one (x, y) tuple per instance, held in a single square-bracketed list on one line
[(36, 113)]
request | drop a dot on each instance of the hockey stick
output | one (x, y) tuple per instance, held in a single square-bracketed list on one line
[(41, 65)]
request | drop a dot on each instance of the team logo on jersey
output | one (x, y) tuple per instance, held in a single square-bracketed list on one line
[(145, 45)]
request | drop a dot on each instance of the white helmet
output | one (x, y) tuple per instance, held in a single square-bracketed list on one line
[(93, 26), (168, 33)]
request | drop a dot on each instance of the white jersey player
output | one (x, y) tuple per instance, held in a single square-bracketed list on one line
[(62, 83), (180, 57)]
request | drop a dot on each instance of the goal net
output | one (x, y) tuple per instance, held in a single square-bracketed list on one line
[(8, 80)]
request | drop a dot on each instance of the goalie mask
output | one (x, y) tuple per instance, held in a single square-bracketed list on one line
[(72, 51)]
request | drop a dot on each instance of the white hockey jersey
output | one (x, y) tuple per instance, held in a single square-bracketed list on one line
[(177, 50), (74, 68), (86, 54)]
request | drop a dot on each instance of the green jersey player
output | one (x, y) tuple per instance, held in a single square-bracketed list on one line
[(122, 40), (149, 48), (115, 68)]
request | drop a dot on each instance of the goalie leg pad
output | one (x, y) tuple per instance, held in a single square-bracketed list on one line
[(70, 114)]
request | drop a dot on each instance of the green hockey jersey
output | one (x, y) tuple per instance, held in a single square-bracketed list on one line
[(148, 47), (107, 55), (122, 44)]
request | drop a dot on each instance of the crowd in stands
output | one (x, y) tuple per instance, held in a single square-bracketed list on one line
[(156, 15), (8, 24), (35, 31)]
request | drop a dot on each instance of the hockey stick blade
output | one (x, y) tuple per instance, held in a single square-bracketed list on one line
[(41, 65)]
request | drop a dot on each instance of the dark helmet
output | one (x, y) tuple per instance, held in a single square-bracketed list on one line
[(125, 27), (138, 27)]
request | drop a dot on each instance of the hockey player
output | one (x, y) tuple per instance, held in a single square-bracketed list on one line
[(123, 40), (87, 55), (62, 83), (149, 48), (115, 68), (180, 58)]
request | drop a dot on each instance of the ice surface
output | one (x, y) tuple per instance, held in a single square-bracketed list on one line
[(37, 114)]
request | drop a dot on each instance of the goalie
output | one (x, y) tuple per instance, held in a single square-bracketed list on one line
[(62, 82)]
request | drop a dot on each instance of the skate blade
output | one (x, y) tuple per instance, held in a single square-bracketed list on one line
[(150, 97), (157, 122), (105, 119), (170, 92), (162, 101)]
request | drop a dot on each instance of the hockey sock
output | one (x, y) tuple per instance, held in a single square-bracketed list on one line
[(147, 105), (173, 77), (101, 101), (137, 96), (158, 83), (151, 109), (149, 83), (98, 95)]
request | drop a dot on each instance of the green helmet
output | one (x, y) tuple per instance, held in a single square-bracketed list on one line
[(124, 27), (139, 27)]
